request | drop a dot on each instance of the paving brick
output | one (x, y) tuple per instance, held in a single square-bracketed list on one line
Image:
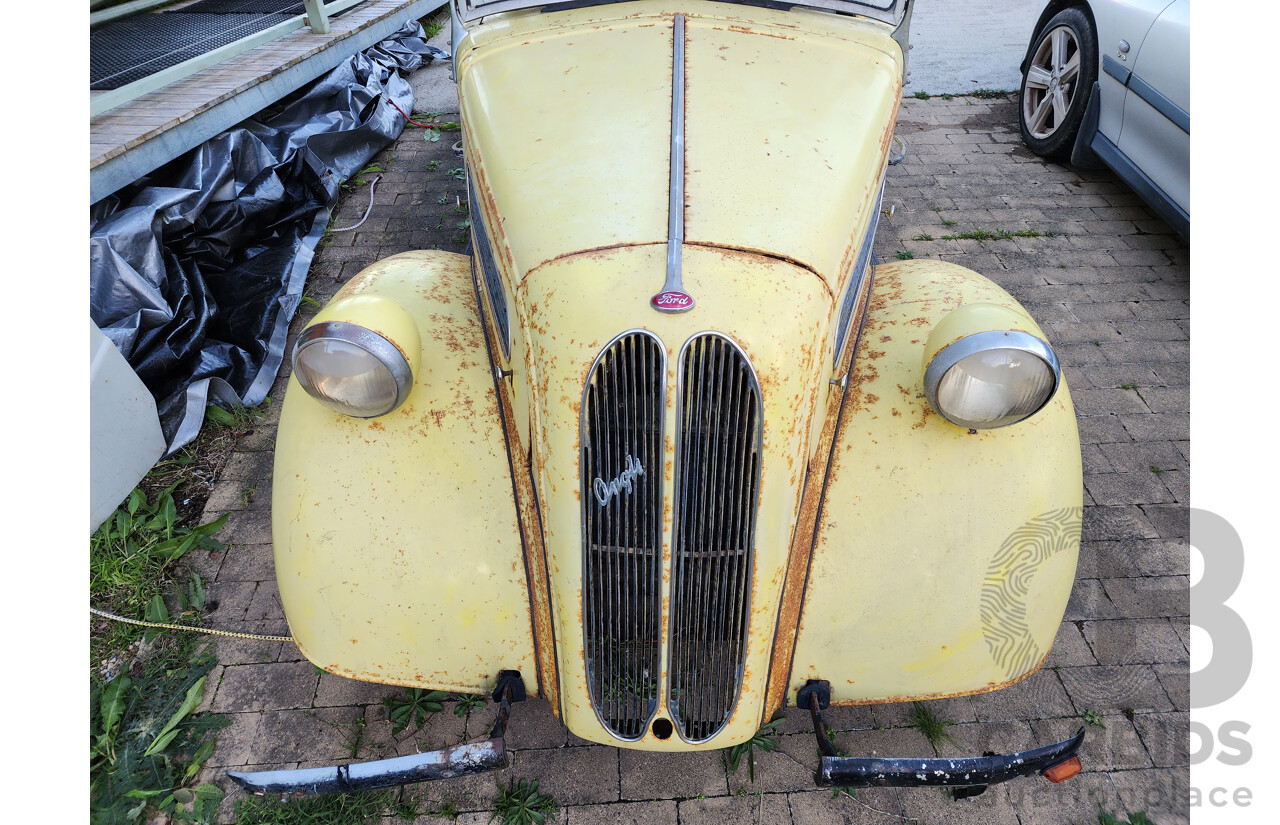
[(872, 806), (1116, 746), (1038, 802), (1134, 641), (641, 813), (1100, 559), (1176, 681), (932, 806), (1110, 689), (672, 775), (1160, 794), (1069, 648), (272, 686), (1128, 488), (1112, 523), (339, 691), (898, 714), (1089, 600), (249, 562), (265, 604), (1038, 696), (1165, 735), (247, 526), (574, 776), (750, 807), (1150, 596), (1169, 522), (1141, 457)]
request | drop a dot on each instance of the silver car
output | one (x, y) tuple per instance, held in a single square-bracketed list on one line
[(1108, 82)]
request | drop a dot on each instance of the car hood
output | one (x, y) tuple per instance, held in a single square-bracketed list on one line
[(788, 120)]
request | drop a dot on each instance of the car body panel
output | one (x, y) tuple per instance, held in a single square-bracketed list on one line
[(397, 550), (444, 541), (774, 146), (1157, 105), (1117, 20), (958, 620), (777, 313), (558, 193)]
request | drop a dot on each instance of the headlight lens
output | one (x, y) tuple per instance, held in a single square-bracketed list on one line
[(351, 369), (992, 379)]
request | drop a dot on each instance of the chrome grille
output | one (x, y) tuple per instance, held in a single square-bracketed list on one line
[(717, 480), (622, 459)]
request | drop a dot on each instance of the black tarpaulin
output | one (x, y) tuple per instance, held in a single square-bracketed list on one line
[(197, 269)]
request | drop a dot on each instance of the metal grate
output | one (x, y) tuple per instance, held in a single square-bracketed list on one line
[(717, 480), (132, 48), (622, 456), (289, 7)]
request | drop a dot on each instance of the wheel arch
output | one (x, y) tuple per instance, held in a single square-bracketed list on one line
[(1050, 10)]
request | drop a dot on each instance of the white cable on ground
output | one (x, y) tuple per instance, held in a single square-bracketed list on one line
[(372, 184)]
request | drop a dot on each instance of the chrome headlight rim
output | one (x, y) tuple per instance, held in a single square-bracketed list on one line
[(371, 342), (957, 351)]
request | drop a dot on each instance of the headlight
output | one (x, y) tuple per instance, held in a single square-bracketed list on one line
[(992, 379), (351, 369)]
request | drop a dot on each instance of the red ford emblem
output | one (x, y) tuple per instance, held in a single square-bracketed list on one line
[(672, 300)]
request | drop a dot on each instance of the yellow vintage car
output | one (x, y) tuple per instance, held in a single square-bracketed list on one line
[(670, 450)]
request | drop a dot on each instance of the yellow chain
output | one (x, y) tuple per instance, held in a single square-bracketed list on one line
[(208, 630)]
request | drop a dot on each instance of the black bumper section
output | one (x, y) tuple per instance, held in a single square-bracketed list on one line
[(460, 760), (970, 775), (837, 771)]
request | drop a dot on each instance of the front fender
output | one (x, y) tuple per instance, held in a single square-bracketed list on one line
[(397, 546), (943, 559)]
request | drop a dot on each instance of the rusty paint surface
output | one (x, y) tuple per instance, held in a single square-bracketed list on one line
[(396, 543), (778, 314), (801, 550), (938, 502), (530, 520)]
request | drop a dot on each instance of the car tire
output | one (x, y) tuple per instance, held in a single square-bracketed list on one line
[(1061, 68)]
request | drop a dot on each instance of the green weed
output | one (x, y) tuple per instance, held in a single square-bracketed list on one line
[(131, 561), (1105, 818), (996, 235), (466, 703), (413, 707), (330, 809), (933, 728), (904, 255), (990, 94), (923, 237), (921, 95), (432, 28), (946, 222), (146, 744), (762, 739), (521, 804), (1093, 718)]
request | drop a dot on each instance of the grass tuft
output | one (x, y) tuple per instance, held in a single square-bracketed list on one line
[(329, 809), (762, 739), (930, 725)]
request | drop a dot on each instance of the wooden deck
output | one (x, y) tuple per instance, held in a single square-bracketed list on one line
[(130, 140)]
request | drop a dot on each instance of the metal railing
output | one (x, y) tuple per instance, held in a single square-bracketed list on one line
[(316, 17)]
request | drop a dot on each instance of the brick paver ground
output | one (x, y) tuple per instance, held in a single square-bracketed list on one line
[(1109, 283)]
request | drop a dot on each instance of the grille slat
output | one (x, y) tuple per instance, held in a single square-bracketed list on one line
[(621, 435), (717, 481)]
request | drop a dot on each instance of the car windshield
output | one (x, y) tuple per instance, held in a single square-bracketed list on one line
[(888, 11)]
